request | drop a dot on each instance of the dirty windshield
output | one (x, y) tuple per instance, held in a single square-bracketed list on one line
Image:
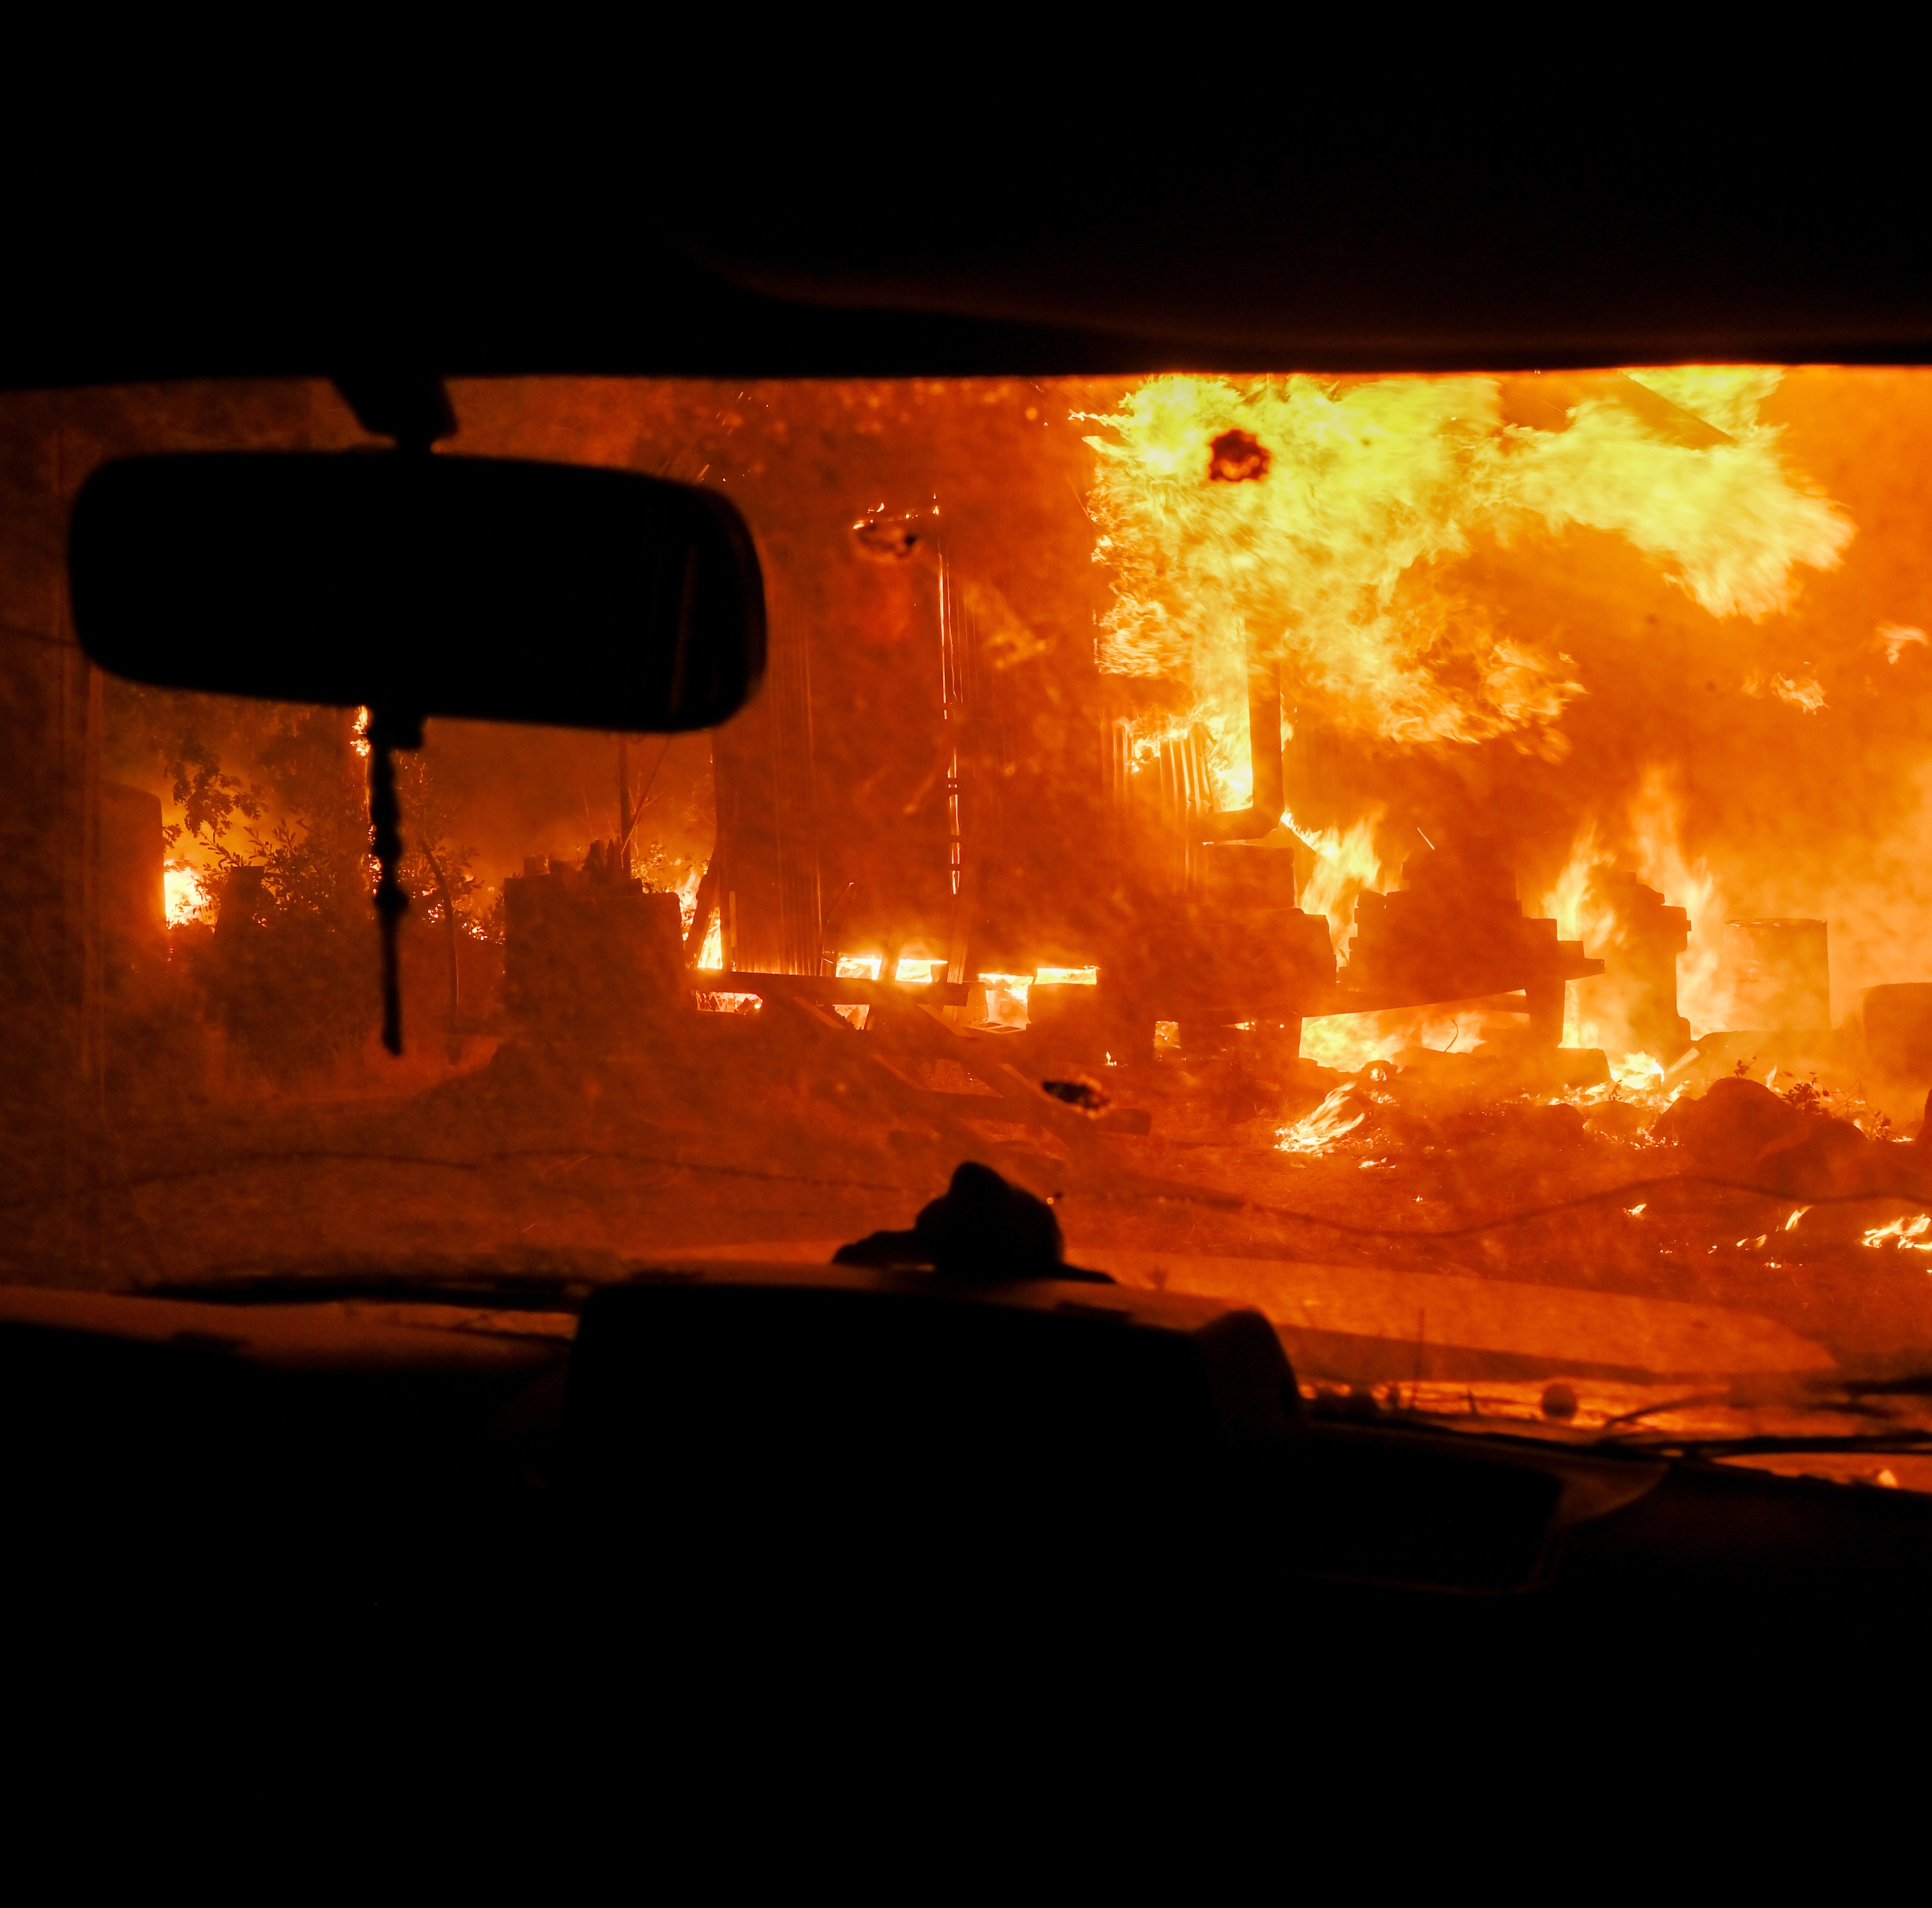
[(1440, 860)]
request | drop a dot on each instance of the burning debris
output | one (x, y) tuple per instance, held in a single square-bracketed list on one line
[(1345, 1111)]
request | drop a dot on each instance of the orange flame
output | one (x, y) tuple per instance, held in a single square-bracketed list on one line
[(1651, 828), (1703, 989), (1904, 1234), (1317, 545), (1337, 1117), (1345, 864), (184, 896), (1348, 1043)]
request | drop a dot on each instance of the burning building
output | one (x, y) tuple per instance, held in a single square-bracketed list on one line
[(1329, 612)]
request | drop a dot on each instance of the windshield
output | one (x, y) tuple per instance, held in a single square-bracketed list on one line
[(1438, 858)]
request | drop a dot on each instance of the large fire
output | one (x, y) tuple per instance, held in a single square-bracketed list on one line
[(1315, 521), (1319, 524)]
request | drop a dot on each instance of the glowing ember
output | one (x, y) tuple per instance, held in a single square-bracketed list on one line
[(859, 966)]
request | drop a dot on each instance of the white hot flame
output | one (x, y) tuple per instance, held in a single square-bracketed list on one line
[(1905, 1234), (1337, 1117), (183, 894)]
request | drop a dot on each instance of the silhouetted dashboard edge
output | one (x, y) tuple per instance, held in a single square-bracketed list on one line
[(790, 1427)]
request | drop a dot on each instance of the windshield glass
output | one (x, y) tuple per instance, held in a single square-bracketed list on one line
[(1438, 858)]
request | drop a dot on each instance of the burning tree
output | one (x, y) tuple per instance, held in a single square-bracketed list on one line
[(272, 825)]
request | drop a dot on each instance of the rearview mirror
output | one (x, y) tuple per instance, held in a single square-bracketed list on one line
[(422, 585), (417, 585)]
